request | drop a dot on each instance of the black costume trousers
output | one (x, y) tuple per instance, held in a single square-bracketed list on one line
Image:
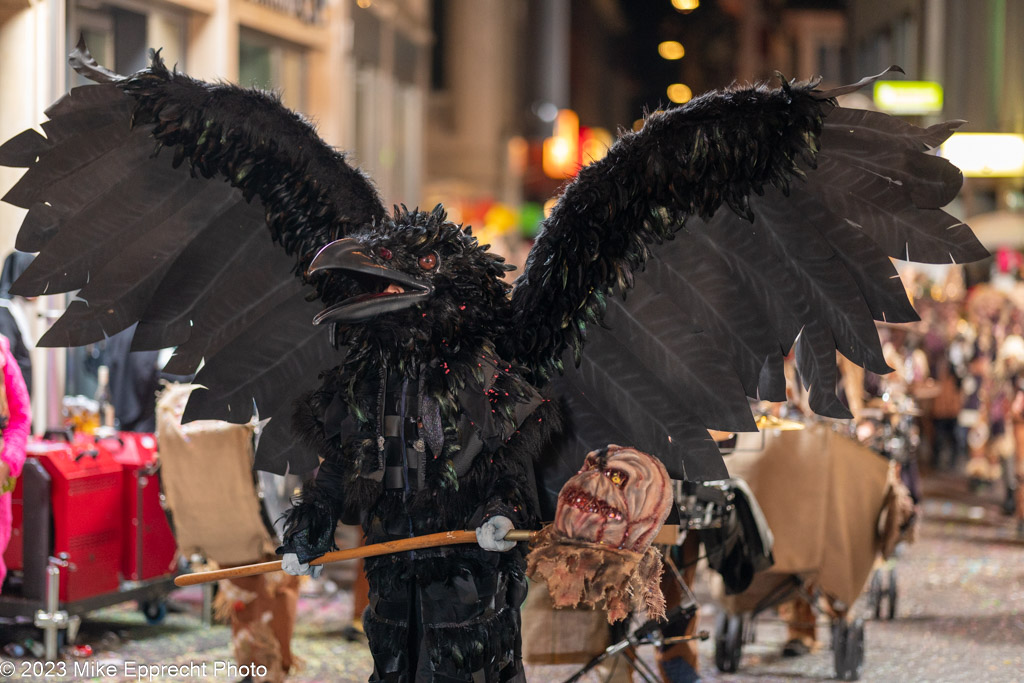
[(447, 615)]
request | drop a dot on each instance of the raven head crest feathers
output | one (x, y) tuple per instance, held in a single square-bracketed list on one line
[(413, 281)]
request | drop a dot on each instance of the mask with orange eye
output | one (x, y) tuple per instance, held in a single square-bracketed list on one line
[(598, 551), (620, 497), (617, 477)]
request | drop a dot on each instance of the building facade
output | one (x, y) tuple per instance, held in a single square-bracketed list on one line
[(359, 69), (973, 49)]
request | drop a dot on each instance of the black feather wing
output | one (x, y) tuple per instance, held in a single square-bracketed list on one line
[(128, 205), (679, 271)]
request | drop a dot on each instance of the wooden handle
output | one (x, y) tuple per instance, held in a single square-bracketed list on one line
[(386, 548)]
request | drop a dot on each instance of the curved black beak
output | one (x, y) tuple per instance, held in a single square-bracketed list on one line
[(342, 253), (348, 254)]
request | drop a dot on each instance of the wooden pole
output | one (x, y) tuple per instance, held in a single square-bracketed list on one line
[(386, 548)]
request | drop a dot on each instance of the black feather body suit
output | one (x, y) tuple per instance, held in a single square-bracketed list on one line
[(425, 429)]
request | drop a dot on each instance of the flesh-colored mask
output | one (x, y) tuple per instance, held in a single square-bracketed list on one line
[(620, 498)]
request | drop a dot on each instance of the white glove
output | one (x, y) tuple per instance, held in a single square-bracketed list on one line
[(291, 565), (490, 535)]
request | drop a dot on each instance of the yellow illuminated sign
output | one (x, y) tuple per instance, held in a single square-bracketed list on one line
[(986, 155), (908, 97)]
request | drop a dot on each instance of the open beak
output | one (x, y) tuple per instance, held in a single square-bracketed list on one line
[(390, 289)]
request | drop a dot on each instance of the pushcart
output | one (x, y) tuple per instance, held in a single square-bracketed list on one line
[(822, 494), (890, 429)]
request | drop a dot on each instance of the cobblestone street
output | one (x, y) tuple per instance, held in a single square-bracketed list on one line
[(960, 617)]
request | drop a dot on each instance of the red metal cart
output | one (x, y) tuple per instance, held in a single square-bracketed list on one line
[(89, 531)]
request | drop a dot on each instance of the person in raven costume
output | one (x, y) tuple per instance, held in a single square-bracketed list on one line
[(425, 429), (741, 224)]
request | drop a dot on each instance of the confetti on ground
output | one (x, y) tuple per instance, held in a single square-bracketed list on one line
[(960, 617)]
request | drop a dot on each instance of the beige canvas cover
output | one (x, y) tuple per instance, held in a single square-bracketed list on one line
[(560, 636), (822, 494), (206, 471)]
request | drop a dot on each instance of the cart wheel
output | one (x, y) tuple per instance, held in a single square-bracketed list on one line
[(875, 593), (848, 649), (728, 641), (838, 637), (154, 611), (892, 594)]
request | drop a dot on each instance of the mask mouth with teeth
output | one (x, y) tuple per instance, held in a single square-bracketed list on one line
[(598, 552), (619, 498)]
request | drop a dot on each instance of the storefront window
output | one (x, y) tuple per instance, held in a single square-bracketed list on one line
[(97, 30), (271, 64), (366, 119), (120, 37), (254, 67)]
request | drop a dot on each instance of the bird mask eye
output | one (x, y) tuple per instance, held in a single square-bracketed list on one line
[(428, 261), (385, 253)]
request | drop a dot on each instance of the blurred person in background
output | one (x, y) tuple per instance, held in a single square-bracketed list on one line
[(15, 314), (15, 419), (945, 412), (1009, 372), (134, 382), (939, 397), (1015, 493)]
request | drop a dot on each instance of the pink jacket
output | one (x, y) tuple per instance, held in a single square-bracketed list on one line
[(20, 423)]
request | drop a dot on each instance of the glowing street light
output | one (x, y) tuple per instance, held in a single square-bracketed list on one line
[(560, 152), (594, 144), (671, 49), (572, 146), (679, 93), (557, 158), (686, 5)]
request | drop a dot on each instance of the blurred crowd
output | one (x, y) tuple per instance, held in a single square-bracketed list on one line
[(959, 375)]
